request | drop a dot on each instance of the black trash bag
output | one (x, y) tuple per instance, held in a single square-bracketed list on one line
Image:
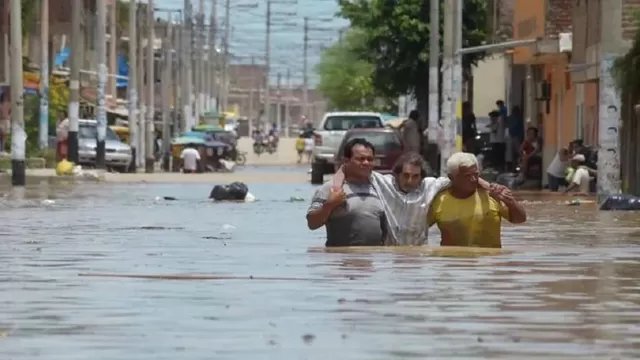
[(622, 202), (508, 179), (233, 191), (238, 190)]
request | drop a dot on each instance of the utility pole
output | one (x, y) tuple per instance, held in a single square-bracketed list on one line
[(73, 110), (225, 61), (101, 9), (287, 110), (132, 86), (167, 67), (267, 55), (18, 135), (610, 104), (166, 92), (213, 56), (456, 106), (199, 74), (186, 66), (305, 69), (113, 55), (175, 76), (279, 102), (142, 24), (449, 126), (251, 100), (151, 82), (44, 75), (434, 57)]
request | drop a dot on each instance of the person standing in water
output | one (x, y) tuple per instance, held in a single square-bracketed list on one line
[(406, 196), (353, 214), (467, 215)]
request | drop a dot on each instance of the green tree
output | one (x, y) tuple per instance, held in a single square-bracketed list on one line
[(396, 41), (345, 79)]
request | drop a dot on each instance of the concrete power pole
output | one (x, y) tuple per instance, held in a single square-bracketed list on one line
[(113, 50), (213, 57), (279, 102), (199, 73), (132, 86), (151, 82), (142, 24), (267, 56), (44, 75), (167, 67), (287, 109), (101, 9), (434, 57), (610, 103), (456, 106), (305, 69), (73, 110), (18, 135), (448, 125), (175, 76), (186, 67), (225, 57)]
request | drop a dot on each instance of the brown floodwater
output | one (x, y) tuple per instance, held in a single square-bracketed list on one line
[(569, 287)]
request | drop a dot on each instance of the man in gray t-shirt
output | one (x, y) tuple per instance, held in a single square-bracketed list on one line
[(353, 214), (359, 221)]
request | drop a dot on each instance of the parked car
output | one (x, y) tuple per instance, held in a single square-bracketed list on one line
[(329, 135), (117, 154), (386, 142)]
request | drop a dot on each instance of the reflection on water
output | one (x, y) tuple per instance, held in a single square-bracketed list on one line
[(570, 289)]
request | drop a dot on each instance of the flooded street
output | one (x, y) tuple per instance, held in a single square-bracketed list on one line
[(570, 289)]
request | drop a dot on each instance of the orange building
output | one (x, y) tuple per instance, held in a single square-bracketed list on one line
[(549, 96)]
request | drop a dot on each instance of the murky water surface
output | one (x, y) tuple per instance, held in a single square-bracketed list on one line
[(571, 289)]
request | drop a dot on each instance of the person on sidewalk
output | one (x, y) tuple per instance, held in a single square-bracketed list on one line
[(190, 160), (557, 170), (467, 214), (497, 140), (411, 132), (580, 178)]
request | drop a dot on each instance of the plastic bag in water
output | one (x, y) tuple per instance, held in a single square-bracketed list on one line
[(621, 202), (233, 191)]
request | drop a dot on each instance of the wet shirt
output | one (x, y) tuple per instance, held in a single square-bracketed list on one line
[(405, 213), (358, 222), (474, 221)]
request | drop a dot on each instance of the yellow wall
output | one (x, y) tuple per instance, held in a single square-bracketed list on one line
[(559, 124), (528, 22)]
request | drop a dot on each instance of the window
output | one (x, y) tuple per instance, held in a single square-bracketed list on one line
[(346, 122), (91, 132), (381, 141)]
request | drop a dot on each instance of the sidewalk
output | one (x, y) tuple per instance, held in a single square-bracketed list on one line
[(38, 176)]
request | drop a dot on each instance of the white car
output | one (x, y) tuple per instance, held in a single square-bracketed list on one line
[(328, 137)]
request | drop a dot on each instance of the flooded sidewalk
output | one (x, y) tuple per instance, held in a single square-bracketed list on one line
[(568, 287)]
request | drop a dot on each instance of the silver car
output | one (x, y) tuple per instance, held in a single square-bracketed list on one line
[(117, 153)]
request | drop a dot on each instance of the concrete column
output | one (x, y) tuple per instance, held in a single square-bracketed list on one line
[(609, 101)]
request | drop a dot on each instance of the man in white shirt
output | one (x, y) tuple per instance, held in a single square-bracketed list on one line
[(497, 140), (190, 160), (581, 178)]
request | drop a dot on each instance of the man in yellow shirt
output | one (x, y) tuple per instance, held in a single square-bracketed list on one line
[(467, 215)]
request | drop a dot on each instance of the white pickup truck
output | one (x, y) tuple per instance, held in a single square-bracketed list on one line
[(328, 137)]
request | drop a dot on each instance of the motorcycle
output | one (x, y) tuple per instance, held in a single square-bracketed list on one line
[(265, 145)]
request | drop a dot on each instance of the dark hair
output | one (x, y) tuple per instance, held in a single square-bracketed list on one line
[(347, 151), (494, 113), (499, 102), (414, 115), (411, 158), (578, 142)]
